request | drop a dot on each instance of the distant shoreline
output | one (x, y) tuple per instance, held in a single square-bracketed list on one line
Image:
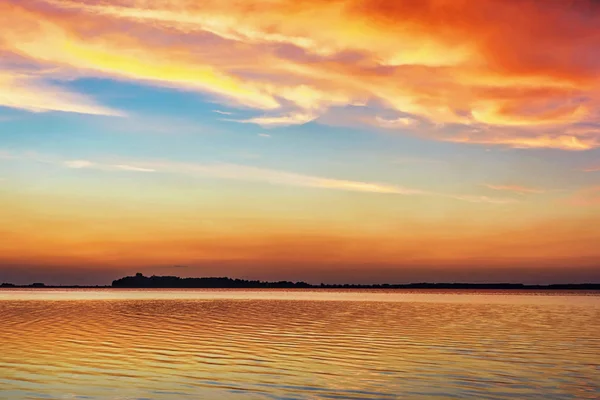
[(594, 287), (140, 281)]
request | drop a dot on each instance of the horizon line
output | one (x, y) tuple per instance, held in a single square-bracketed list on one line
[(169, 281)]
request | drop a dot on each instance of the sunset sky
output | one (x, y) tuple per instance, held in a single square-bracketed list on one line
[(327, 141)]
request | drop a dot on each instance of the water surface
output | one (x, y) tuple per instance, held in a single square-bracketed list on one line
[(298, 344)]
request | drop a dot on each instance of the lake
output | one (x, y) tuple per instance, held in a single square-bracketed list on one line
[(298, 344)]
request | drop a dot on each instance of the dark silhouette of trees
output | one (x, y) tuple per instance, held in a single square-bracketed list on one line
[(141, 281)]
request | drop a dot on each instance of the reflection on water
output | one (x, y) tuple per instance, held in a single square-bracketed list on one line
[(226, 344)]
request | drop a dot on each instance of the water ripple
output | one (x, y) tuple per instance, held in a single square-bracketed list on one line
[(281, 348)]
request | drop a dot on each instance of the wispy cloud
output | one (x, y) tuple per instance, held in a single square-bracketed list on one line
[(395, 123), (18, 90), (133, 168), (265, 135), (256, 174), (283, 120), (515, 188), (248, 173), (591, 169), (222, 112), (482, 199), (252, 174), (79, 164), (528, 140)]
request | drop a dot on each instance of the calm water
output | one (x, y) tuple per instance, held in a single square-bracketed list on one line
[(231, 344)]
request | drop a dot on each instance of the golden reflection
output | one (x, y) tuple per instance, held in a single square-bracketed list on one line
[(275, 344)]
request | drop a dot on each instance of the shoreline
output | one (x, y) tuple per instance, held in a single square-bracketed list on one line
[(582, 287)]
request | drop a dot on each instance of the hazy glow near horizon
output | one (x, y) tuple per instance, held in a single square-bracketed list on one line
[(434, 140)]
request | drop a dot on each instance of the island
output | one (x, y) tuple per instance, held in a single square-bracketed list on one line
[(141, 281)]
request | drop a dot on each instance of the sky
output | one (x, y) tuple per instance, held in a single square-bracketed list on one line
[(327, 141)]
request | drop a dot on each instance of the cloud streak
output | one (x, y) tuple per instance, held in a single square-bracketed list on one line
[(81, 164), (516, 189), (249, 174), (125, 167), (275, 177), (27, 92), (284, 120), (591, 169), (482, 199)]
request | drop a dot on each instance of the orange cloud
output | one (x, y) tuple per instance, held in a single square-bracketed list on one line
[(527, 140), (520, 74)]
